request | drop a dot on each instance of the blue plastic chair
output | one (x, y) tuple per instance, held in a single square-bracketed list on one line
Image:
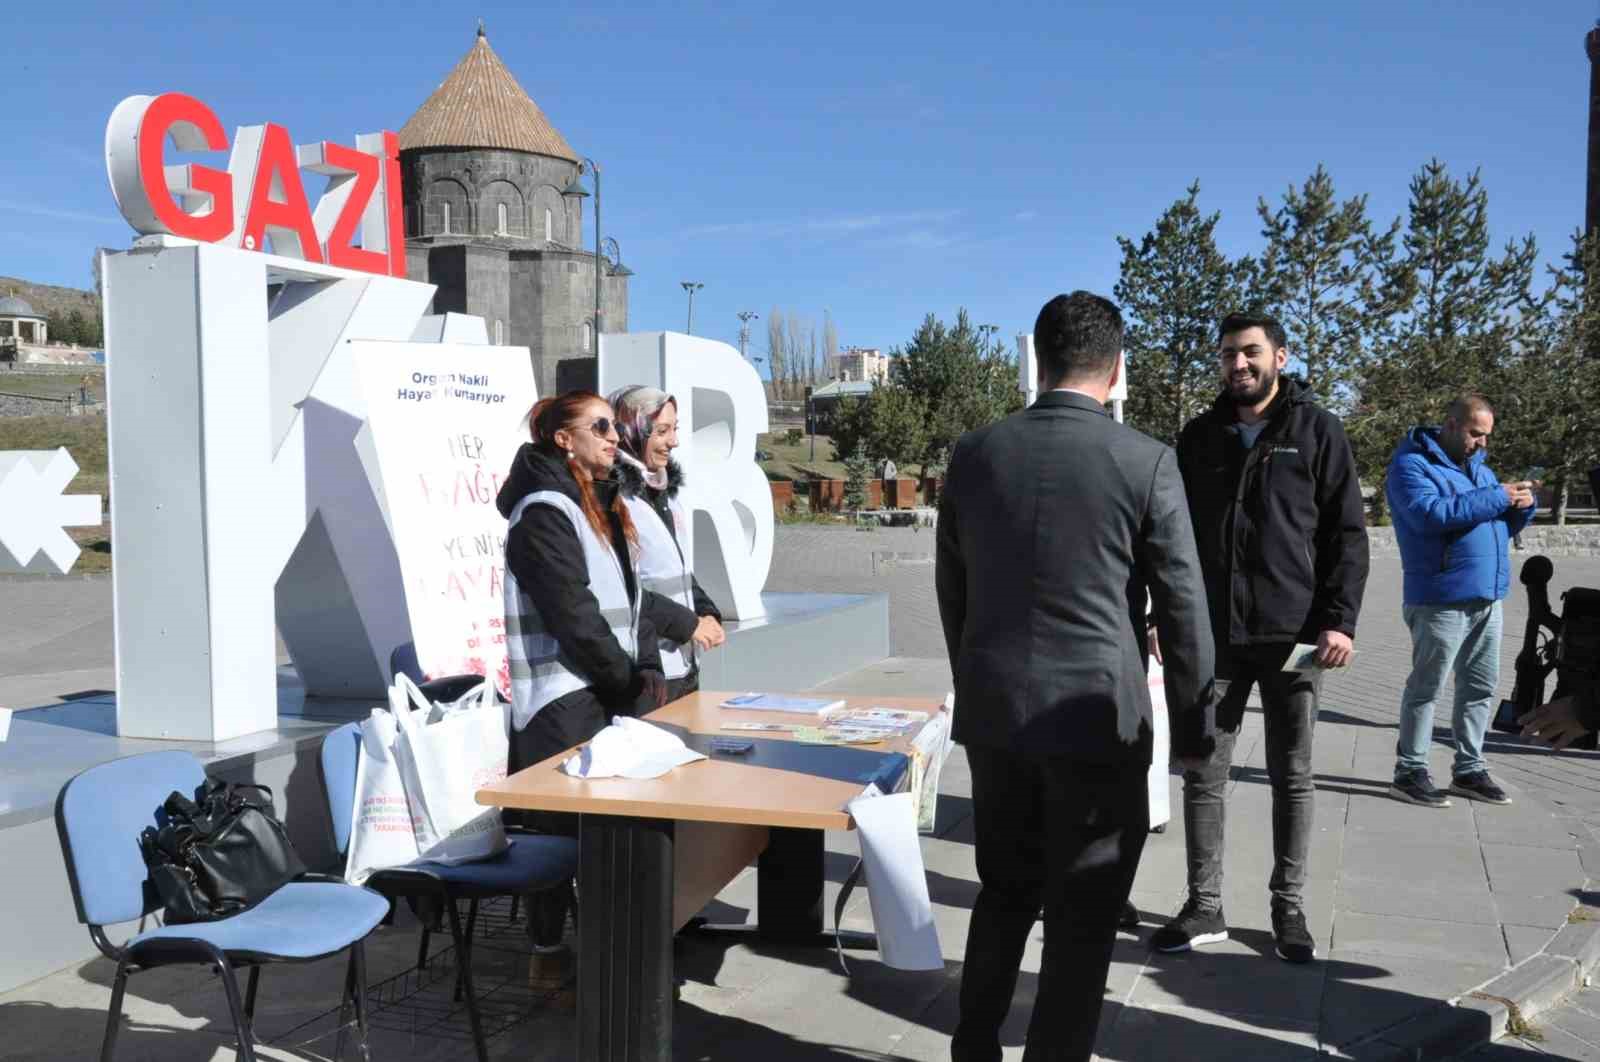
[(532, 863), (99, 815)]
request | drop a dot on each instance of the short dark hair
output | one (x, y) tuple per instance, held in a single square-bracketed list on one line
[(1463, 406), (1239, 322), (1077, 336)]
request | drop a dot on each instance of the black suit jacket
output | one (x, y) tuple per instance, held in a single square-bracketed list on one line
[(1052, 525)]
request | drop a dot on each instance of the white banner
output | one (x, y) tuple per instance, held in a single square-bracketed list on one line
[(446, 422)]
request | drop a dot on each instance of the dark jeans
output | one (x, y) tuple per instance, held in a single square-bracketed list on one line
[(1066, 837), (1289, 712)]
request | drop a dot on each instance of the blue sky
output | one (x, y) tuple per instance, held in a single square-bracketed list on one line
[(880, 161)]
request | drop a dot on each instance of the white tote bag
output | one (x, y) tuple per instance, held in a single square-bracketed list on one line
[(382, 833), (446, 753)]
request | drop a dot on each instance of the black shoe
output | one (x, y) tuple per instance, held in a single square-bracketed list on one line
[(1193, 926), (1294, 939), (1129, 918), (1479, 786), (1417, 788)]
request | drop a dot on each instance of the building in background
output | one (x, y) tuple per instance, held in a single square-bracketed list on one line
[(859, 365), (482, 170)]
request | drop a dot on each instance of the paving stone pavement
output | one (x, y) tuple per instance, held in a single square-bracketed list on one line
[(1409, 906)]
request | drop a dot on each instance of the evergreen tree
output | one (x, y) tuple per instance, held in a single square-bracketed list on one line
[(857, 471), (963, 379), (1456, 318), (1175, 287), (1323, 275), (1547, 422)]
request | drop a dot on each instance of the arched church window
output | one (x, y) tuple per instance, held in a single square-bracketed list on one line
[(444, 213), (588, 335), (549, 225), (500, 220), (499, 327)]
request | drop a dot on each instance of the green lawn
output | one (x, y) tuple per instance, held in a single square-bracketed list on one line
[(52, 384), (794, 462), (84, 438)]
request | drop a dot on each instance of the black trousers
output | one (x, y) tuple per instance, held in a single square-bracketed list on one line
[(1066, 837)]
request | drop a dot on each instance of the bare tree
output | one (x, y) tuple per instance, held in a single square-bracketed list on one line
[(830, 342), (775, 350)]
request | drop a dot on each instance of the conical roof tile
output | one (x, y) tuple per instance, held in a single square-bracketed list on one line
[(480, 105)]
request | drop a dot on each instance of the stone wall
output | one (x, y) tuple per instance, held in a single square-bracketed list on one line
[(1575, 540), (21, 406)]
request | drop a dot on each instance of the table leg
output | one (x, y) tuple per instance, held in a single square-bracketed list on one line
[(789, 890), (625, 939)]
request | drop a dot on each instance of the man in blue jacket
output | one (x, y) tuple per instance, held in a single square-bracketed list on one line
[(1453, 520)]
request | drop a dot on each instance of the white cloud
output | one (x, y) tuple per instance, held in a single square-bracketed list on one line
[(55, 213), (827, 227)]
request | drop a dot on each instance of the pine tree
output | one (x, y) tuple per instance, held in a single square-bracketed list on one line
[(1174, 288), (857, 471), (1455, 318), (1322, 274)]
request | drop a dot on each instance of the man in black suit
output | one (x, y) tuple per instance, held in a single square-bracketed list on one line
[(1053, 524)]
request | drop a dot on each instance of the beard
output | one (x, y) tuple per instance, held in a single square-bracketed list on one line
[(1254, 387)]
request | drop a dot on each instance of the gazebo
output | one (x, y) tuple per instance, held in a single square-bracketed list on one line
[(19, 321)]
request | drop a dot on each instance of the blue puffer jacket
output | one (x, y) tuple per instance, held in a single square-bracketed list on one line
[(1452, 525)]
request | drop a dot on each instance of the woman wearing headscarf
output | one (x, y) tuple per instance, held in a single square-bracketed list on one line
[(687, 620)]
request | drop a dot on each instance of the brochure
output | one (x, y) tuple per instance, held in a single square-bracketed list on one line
[(928, 752), (769, 728), (1303, 657), (877, 718), (774, 702), (828, 735)]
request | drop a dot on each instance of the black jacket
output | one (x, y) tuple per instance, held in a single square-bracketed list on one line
[(1053, 524), (677, 620), (1281, 528), (545, 556)]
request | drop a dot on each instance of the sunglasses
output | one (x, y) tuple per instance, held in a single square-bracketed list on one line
[(602, 426)]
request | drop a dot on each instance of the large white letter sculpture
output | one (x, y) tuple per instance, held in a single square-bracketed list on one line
[(246, 484), (722, 407), (33, 511)]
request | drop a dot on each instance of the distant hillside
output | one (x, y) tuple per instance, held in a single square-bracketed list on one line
[(48, 299)]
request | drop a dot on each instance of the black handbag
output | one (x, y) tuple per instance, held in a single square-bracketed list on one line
[(219, 854)]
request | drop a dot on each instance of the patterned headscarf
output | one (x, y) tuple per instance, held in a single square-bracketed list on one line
[(637, 407)]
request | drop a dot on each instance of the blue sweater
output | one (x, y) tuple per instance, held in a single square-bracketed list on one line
[(1452, 525)]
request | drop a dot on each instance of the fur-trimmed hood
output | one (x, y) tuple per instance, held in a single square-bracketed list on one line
[(632, 481)]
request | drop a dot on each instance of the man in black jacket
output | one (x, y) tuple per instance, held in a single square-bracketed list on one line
[(1282, 534), (1053, 525)]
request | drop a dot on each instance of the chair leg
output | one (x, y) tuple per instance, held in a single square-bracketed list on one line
[(358, 962), (241, 1027), (250, 998), (515, 901), (344, 1008), (422, 950), (464, 957), (114, 1015)]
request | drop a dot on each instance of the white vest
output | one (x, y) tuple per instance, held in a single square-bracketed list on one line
[(540, 671), (664, 568)]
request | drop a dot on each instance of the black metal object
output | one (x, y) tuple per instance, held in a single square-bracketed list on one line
[(1568, 644), (789, 888), (625, 923)]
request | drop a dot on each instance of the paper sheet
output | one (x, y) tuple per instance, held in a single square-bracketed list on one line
[(1303, 657), (897, 885)]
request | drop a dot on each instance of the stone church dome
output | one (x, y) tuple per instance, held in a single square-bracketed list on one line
[(15, 306), (480, 105)]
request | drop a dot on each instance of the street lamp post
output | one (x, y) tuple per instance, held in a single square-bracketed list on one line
[(575, 190), (745, 317), (691, 287)]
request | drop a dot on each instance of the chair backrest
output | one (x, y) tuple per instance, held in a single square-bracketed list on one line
[(341, 753), (99, 815), (403, 661)]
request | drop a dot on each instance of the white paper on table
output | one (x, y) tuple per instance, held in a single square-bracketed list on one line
[(897, 885), (5, 722), (630, 748)]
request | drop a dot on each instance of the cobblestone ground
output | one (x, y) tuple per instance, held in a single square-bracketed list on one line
[(899, 562)]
